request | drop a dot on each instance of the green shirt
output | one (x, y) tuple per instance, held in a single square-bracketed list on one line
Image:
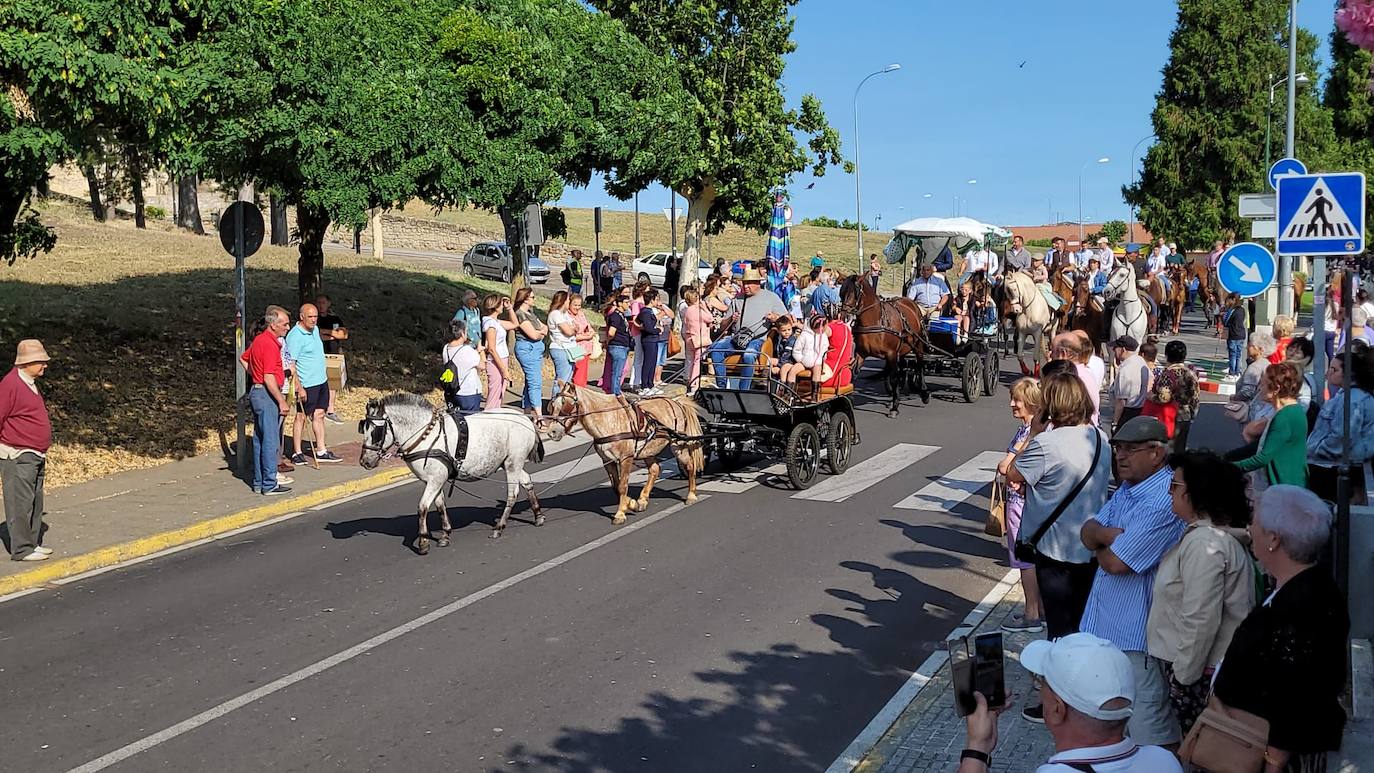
[(1284, 450)]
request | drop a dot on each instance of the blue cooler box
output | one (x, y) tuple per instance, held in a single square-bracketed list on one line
[(946, 325)]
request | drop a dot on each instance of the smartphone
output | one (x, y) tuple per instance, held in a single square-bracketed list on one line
[(977, 669)]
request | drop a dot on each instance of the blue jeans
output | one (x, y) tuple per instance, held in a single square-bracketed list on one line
[(562, 367), (266, 438), (1235, 350), (530, 355), (724, 348), (649, 362), (618, 355)]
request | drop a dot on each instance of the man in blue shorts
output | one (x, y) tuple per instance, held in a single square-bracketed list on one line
[(306, 350)]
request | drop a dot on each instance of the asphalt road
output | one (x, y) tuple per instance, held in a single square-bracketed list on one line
[(751, 631)]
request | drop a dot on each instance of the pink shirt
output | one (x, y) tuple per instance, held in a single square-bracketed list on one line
[(1094, 387)]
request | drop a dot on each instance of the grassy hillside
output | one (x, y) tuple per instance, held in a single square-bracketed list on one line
[(140, 328), (734, 243)]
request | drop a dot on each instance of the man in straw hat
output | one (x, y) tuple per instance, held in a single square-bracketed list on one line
[(750, 313), (25, 434)]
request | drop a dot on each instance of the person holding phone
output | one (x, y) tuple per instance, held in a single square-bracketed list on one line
[(1087, 688)]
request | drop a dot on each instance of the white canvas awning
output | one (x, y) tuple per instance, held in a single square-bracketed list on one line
[(934, 235)]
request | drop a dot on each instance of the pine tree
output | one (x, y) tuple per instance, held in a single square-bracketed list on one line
[(1210, 117)]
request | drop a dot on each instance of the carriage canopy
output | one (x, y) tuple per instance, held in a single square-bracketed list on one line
[(931, 236)]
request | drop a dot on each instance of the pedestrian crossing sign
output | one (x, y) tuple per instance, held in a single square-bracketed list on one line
[(1321, 214)]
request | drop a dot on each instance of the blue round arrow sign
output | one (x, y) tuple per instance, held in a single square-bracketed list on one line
[(1282, 167), (1247, 269)]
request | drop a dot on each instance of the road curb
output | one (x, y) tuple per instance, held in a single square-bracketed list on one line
[(155, 543)]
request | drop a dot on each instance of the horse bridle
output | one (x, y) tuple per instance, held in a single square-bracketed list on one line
[(395, 447)]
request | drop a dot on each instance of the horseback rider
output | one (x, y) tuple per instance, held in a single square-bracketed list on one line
[(1109, 306)]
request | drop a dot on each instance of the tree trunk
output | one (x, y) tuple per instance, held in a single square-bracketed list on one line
[(312, 225), (110, 199), (376, 224), (136, 184), (510, 220), (697, 211), (280, 235), (93, 185), (188, 208)]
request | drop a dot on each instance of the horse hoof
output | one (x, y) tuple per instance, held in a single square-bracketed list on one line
[(892, 414), (496, 534), (642, 506), (925, 398), (422, 547), (618, 519), (539, 519), (441, 542), (692, 499)]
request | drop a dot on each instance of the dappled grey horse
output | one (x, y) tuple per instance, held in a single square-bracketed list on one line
[(439, 448)]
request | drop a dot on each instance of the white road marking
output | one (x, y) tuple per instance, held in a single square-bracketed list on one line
[(864, 475), (956, 485), (205, 717), (889, 714), (740, 480)]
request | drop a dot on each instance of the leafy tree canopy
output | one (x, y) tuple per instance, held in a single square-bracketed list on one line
[(1210, 118)]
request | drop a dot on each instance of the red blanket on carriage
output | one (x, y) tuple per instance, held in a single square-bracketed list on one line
[(838, 356)]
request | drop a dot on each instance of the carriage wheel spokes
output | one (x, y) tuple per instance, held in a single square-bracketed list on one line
[(803, 455)]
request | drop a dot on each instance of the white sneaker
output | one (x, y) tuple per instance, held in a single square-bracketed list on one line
[(35, 556), (43, 550)]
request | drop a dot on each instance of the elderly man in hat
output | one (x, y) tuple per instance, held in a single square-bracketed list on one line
[(750, 314), (1129, 536), (1087, 689), (1132, 383), (25, 435)]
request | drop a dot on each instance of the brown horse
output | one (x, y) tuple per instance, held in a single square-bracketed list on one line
[(1175, 300), (1087, 312), (888, 328), (628, 431), (1062, 283)]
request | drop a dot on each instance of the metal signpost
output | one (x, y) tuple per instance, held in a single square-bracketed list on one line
[(241, 232)]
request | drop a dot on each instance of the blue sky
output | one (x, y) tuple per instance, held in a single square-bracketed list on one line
[(962, 107)]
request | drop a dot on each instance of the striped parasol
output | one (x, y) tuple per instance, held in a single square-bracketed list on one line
[(779, 251)]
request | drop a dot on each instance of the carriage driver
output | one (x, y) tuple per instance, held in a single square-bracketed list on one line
[(930, 292), (749, 314)]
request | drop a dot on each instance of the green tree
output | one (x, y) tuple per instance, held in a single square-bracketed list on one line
[(1210, 117), (821, 221), (745, 139), (1114, 230), (355, 117), (1351, 105), (553, 93)]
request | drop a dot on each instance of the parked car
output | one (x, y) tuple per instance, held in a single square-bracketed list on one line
[(651, 268), (492, 260)]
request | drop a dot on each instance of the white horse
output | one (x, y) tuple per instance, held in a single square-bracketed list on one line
[(1025, 303), (1130, 317), (440, 448)]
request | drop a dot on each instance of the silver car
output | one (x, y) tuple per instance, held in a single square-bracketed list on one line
[(492, 260)]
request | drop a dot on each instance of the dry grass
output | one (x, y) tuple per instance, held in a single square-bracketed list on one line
[(140, 328)]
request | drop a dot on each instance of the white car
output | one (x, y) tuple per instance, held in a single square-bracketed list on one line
[(651, 268)]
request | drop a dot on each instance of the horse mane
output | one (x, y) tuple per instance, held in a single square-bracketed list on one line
[(408, 406)]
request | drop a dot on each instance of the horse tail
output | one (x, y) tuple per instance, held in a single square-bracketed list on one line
[(537, 453), (692, 428)]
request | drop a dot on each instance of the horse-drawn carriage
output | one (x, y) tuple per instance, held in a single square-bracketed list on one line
[(974, 357), (808, 424)]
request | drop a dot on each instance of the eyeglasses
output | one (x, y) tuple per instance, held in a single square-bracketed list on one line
[(1124, 450), (1176, 484)]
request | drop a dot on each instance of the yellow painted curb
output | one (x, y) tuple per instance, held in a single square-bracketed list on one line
[(145, 546)]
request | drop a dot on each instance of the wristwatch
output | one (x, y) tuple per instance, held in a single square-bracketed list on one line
[(974, 754)]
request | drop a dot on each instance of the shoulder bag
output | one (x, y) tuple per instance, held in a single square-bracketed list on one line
[(743, 336), (996, 524), (1226, 740), (1027, 550)]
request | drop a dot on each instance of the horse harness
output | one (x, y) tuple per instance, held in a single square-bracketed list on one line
[(437, 449)]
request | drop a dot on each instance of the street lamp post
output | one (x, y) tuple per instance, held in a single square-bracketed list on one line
[(1082, 169), (1131, 237), (1300, 79), (858, 188)]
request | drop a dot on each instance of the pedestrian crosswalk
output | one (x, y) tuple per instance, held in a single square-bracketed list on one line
[(883, 472)]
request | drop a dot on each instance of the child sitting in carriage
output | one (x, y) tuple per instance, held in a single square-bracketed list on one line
[(974, 311), (784, 341), (808, 352)]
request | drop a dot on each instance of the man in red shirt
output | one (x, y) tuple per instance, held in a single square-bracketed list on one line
[(266, 377), (25, 435)]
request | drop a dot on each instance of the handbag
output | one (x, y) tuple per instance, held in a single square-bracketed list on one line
[(1026, 550), (744, 336), (674, 343), (1226, 740), (576, 353), (996, 523), (1237, 410)]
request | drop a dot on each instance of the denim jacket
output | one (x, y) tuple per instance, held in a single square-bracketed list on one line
[(1325, 441)]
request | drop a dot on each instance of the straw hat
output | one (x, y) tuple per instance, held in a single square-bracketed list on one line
[(752, 275), (30, 350)]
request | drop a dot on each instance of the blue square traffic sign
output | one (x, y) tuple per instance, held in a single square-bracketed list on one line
[(1320, 214)]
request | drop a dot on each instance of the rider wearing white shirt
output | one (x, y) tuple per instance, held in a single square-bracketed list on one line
[(981, 259)]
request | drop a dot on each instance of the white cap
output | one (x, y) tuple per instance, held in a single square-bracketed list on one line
[(1085, 671)]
